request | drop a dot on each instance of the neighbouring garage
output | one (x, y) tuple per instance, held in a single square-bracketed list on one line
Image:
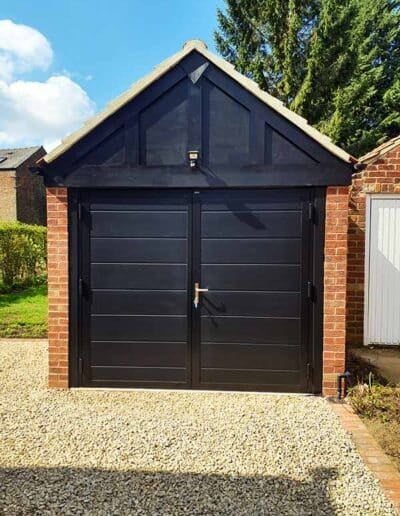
[(196, 238)]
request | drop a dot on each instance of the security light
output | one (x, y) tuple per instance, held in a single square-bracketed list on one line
[(193, 158)]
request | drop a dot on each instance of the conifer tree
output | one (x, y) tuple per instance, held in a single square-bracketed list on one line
[(335, 62)]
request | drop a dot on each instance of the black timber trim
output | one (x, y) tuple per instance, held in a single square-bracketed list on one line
[(251, 176), (65, 162), (59, 172), (276, 121)]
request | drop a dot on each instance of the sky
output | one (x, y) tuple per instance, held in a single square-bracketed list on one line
[(63, 60)]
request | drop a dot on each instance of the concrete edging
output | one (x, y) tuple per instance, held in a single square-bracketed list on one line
[(371, 453)]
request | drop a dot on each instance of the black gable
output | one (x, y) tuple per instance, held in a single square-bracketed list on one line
[(196, 106)]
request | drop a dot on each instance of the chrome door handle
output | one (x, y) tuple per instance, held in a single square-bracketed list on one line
[(197, 291)]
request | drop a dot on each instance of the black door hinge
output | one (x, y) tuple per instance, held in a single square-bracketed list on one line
[(310, 290), (311, 212), (80, 366), (81, 287), (309, 372)]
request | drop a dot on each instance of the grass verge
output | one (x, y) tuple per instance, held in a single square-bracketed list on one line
[(23, 313)]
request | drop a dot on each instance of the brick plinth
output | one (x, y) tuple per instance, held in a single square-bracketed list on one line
[(334, 338), (57, 226)]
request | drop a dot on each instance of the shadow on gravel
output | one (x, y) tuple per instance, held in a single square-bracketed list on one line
[(90, 491)]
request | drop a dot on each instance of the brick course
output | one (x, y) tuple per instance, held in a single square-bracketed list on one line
[(381, 176), (57, 227), (334, 336)]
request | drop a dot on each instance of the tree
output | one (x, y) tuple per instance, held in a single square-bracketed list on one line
[(335, 62)]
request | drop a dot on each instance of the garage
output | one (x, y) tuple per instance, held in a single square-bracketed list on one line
[(192, 218)]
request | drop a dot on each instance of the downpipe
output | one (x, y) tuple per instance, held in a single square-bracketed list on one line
[(342, 380)]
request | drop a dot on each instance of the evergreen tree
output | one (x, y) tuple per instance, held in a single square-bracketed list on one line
[(335, 62)]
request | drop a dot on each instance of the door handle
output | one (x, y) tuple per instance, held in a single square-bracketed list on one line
[(197, 292)]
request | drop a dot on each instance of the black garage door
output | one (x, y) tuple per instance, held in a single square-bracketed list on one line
[(143, 254)]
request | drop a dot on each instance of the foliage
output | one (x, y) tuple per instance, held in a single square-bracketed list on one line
[(376, 401), (24, 313), (335, 62), (22, 252)]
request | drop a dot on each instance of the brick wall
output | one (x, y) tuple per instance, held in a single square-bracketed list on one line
[(8, 205), (382, 176), (334, 338), (57, 224)]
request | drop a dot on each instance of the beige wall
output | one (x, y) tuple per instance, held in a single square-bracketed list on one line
[(8, 204), (31, 196)]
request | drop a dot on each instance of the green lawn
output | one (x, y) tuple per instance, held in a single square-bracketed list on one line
[(24, 314)]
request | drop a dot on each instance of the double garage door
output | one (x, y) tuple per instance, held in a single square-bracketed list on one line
[(194, 289)]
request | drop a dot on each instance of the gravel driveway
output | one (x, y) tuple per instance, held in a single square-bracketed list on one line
[(164, 453)]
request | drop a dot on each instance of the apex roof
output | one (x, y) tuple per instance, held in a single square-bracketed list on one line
[(10, 159), (380, 151), (223, 65)]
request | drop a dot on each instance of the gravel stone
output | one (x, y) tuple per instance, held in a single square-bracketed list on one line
[(99, 452)]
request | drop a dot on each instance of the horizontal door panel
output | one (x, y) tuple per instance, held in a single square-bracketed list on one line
[(250, 330), (160, 224), (250, 377), (138, 354), (138, 250), (139, 276), (128, 302), (264, 251), (139, 374), (141, 203), (251, 277), (146, 328), (240, 200), (251, 224), (257, 304), (250, 356)]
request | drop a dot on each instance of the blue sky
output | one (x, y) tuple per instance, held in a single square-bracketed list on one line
[(101, 46)]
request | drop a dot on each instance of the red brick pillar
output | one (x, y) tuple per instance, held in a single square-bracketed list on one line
[(335, 268), (57, 228)]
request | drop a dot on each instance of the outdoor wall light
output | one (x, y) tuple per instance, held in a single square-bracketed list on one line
[(193, 158)]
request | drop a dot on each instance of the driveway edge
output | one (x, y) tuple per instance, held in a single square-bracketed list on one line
[(370, 451)]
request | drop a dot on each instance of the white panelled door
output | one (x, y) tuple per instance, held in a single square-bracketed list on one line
[(382, 318)]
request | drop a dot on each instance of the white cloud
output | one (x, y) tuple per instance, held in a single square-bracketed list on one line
[(34, 112), (22, 49)]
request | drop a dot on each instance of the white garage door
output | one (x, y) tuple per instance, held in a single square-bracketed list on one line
[(382, 321)]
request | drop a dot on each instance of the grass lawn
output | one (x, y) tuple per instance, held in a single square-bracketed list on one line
[(24, 314)]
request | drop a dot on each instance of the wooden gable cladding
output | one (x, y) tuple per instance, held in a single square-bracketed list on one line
[(196, 106)]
